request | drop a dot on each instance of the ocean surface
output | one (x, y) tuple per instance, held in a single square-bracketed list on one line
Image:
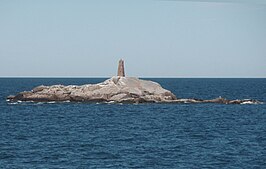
[(90, 135)]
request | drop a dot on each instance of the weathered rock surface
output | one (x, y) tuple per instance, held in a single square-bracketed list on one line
[(116, 89)]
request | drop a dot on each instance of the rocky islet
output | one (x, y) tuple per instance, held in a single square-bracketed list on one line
[(118, 89)]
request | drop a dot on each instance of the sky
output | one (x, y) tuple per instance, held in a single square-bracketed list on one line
[(156, 38)]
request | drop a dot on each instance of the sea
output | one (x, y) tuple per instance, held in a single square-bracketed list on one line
[(100, 135)]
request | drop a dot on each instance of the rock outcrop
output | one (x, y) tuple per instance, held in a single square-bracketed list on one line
[(116, 89)]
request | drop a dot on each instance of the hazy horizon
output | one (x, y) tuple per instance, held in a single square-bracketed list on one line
[(156, 38)]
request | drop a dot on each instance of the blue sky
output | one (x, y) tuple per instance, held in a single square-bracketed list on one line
[(156, 38)]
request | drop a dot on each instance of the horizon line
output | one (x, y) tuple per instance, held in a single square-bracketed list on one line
[(170, 77)]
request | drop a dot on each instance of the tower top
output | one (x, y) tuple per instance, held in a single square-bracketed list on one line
[(121, 68)]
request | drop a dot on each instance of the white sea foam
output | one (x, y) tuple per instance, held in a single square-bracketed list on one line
[(13, 103), (29, 101), (247, 102), (251, 102)]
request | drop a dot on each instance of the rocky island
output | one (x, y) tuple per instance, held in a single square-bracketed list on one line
[(118, 89)]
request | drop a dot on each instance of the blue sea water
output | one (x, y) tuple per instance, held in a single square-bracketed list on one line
[(89, 135)]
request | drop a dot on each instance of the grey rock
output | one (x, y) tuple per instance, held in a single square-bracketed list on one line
[(116, 89)]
